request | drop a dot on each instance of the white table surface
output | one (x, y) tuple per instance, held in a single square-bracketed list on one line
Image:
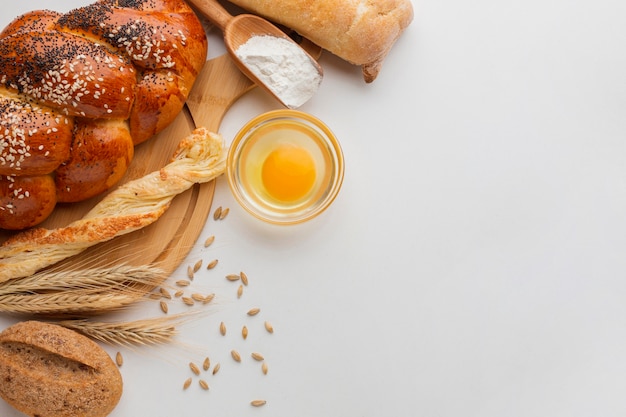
[(474, 262)]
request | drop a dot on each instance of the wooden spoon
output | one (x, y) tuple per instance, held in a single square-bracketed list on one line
[(239, 29)]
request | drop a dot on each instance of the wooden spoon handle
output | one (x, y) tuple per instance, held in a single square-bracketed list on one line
[(217, 87), (212, 10)]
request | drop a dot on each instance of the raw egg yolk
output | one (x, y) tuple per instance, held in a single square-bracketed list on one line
[(288, 173)]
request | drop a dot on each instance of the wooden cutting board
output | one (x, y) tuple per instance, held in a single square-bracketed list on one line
[(166, 242)]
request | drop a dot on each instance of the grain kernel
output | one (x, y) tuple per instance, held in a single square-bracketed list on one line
[(164, 307), (244, 278), (236, 356), (187, 383), (212, 264), (206, 364), (244, 332), (188, 301), (197, 265), (217, 213), (194, 368), (183, 283), (269, 327), (198, 297), (165, 293), (233, 277), (190, 272), (203, 384), (222, 328), (119, 359), (254, 311), (264, 368), (258, 403), (216, 368), (257, 356), (209, 241), (240, 291)]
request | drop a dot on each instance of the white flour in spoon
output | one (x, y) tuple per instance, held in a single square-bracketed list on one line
[(283, 66)]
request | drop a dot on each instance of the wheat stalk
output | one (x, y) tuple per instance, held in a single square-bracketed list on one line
[(92, 290), (63, 304), (87, 279), (155, 331)]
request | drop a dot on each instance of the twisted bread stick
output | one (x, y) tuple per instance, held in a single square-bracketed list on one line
[(199, 158)]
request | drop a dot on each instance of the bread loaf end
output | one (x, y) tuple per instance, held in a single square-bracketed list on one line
[(48, 370)]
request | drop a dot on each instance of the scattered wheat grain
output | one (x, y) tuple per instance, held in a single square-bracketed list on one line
[(154, 296), (197, 265), (119, 359), (224, 213), (208, 298), (183, 283), (198, 297), (244, 332), (206, 364), (223, 329), (188, 301), (269, 327), (258, 403), (187, 383), (165, 293), (164, 307), (209, 241), (244, 278), (190, 273), (236, 356), (257, 356), (240, 291), (254, 311), (264, 368), (212, 264), (216, 368), (233, 277), (217, 213), (203, 384), (194, 368), (179, 293)]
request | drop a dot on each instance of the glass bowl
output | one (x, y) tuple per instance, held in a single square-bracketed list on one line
[(285, 167)]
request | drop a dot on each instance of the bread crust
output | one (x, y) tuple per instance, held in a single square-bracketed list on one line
[(111, 74), (361, 32), (48, 370), (18, 209), (33, 140), (68, 73), (101, 153)]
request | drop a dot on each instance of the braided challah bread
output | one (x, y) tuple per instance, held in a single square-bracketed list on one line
[(79, 90)]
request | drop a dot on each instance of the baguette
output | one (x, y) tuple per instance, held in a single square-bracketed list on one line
[(360, 32), (200, 158)]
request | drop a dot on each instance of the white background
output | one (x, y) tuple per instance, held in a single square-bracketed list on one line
[(473, 263)]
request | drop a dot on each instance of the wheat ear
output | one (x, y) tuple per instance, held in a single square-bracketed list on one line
[(155, 331), (90, 291)]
